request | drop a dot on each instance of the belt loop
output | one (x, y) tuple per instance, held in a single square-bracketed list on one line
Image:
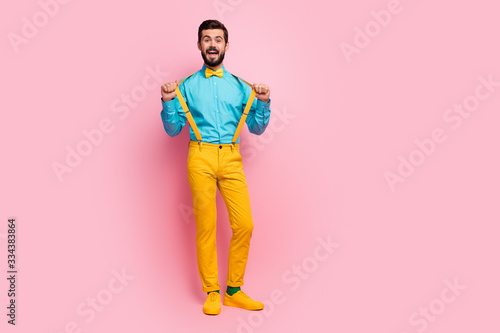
[(232, 147), (199, 145)]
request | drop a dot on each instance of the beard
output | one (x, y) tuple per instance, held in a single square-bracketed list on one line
[(213, 62)]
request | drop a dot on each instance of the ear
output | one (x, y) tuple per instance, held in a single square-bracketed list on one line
[(199, 45), (227, 47)]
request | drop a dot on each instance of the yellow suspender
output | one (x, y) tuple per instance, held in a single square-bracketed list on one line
[(190, 119), (189, 116), (245, 112)]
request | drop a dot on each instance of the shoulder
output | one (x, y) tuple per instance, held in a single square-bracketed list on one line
[(237, 81), (190, 79)]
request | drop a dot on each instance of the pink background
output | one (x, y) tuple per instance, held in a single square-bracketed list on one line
[(338, 126)]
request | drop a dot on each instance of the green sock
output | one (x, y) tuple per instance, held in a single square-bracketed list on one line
[(232, 290), (216, 291)]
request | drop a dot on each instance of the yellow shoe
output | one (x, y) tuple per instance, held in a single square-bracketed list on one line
[(241, 300), (212, 304)]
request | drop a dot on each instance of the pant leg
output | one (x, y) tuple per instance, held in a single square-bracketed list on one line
[(233, 187), (203, 183)]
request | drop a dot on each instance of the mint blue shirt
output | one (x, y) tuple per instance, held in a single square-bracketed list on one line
[(216, 105)]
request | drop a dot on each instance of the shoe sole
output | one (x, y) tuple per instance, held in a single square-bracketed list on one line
[(211, 314), (241, 307)]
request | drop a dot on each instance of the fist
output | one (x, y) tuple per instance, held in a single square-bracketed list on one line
[(262, 92), (168, 91)]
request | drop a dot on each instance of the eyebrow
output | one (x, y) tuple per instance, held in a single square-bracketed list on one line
[(210, 36)]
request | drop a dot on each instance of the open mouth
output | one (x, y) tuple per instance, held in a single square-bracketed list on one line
[(212, 53)]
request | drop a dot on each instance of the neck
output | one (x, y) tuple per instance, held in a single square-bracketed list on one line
[(214, 68)]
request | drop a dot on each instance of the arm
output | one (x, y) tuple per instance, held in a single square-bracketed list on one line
[(258, 116), (260, 112), (172, 114)]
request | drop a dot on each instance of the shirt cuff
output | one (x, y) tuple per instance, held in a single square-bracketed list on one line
[(169, 106), (263, 106)]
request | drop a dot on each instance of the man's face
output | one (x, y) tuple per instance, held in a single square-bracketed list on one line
[(213, 46)]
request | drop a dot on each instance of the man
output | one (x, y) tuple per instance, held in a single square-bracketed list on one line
[(216, 101)]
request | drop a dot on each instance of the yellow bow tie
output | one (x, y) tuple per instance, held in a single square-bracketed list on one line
[(209, 72)]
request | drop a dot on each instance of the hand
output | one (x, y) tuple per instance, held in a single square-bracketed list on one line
[(168, 91), (262, 92)]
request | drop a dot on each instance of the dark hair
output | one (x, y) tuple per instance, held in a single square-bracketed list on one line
[(212, 24)]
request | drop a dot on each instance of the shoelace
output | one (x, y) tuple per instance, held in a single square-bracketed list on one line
[(213, 297), (243, 294)]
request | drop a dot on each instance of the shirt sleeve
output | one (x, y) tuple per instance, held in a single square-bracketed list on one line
[(258, 116), (173, 115)]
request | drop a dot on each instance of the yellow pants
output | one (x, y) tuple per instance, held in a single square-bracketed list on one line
[(212, 166)]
